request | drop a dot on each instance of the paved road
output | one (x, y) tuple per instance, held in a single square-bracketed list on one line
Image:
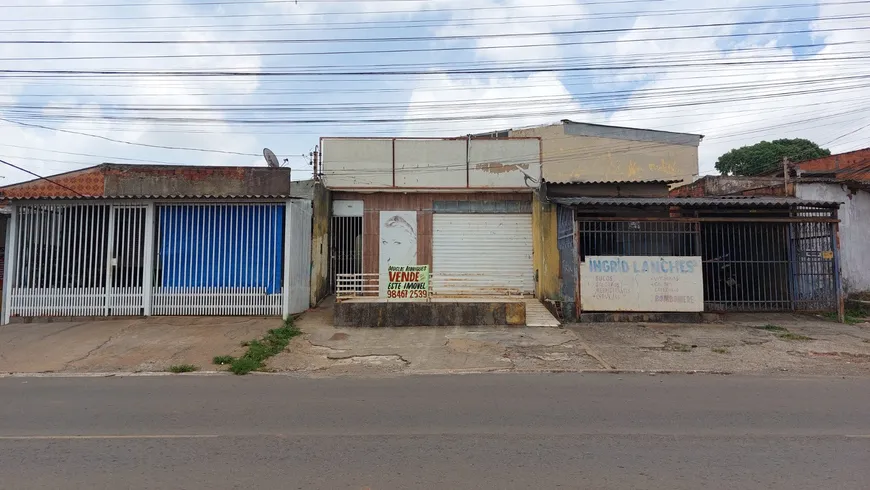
[(488, 431)]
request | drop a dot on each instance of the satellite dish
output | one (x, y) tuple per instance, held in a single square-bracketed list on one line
[(271, 159)]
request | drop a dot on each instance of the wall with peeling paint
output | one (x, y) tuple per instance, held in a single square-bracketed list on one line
[(545, 250), (425, 164), (320, 243), (569, 155)]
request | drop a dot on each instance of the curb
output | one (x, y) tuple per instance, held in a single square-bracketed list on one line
[(314, 374)]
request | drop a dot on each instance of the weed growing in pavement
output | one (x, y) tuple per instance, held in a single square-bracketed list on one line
[(221, 360), (783, 333), (793, 336), (720, 350), (261, 349), (183, 368), (673, 346), (773, 328), (852, 316)]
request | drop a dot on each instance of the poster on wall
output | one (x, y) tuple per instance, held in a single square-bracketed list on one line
[(610, 283), (397, 243), (408, 283)]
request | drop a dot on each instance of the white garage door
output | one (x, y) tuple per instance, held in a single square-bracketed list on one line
[(485, 254)]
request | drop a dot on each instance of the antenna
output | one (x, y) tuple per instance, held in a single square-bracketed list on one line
[(271, 159)]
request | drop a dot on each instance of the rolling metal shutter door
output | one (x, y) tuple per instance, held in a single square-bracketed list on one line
[(486, 254)]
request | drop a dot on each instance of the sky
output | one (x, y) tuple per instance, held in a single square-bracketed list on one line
[(213, 82)]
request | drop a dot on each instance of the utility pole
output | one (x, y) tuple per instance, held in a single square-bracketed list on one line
[(785, 175)]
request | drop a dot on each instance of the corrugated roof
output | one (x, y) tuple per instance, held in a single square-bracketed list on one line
[(652, 181), (730, 201), (166, 197)]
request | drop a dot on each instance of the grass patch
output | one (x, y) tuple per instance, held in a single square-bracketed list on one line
[(793, 336), (222, 360), (720, 350), (259, 350), (852, 315), (183, 368), (772, 328), (672, 346)]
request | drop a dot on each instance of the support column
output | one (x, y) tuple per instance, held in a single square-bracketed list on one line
[(838, 276), (148, 260), (9, 264), (110, 259), (285, 291)]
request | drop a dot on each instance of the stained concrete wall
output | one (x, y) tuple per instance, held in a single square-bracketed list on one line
[(166, 180), (576, 151), (607, 190), (567, 262), (424, 164), (434, 314), (321, 212), (854, 230), (545, 251), (725, 185), (303, 189)]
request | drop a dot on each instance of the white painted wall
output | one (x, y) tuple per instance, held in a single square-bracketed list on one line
[(364, 163), (854, 230), (504, 163), (430, 163), (357, 162)]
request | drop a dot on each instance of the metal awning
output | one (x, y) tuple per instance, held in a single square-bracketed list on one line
[(151, 197), (616, 182), (695, 202)]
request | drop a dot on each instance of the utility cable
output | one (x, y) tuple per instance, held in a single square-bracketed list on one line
[(42, 178)]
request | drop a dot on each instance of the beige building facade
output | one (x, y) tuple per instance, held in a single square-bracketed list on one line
[(580, 152)]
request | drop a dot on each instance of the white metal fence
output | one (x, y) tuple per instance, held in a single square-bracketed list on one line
[(298, 253), (62, 265), (367, 285), (121, 258), (219, 259), (345, 246)]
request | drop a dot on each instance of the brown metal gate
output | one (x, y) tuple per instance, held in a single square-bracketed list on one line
[(763, 264)]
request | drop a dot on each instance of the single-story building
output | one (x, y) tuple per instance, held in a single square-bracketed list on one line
[(625, 257), (842, 178), (119, 240), (460, 206)]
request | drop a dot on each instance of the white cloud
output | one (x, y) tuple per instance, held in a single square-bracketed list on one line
[(485, 101)]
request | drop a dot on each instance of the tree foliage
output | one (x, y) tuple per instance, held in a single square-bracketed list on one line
[(767, 155)]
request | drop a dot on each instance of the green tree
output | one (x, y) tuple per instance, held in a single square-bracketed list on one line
[(767, 155)]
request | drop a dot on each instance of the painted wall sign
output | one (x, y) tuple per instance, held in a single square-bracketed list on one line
[(610, 283), (398, 243), (408, 282)]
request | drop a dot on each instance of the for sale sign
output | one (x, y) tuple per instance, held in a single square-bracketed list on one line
[(408, 282)]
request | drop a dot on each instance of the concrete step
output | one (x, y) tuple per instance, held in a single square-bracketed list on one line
[(537, 315)]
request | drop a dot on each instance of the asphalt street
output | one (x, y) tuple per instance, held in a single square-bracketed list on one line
[(602, 431)]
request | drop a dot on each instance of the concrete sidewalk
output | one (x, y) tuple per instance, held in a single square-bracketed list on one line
[(131, 345), (744, 344)]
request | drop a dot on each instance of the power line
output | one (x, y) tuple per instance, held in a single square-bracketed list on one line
[(415, 23), (272, 2), (460, 71), (337, 13), (486, 62), (436, 38), (385, 119), (163, 147), (511, 46), (43, 178), (847, 134)]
